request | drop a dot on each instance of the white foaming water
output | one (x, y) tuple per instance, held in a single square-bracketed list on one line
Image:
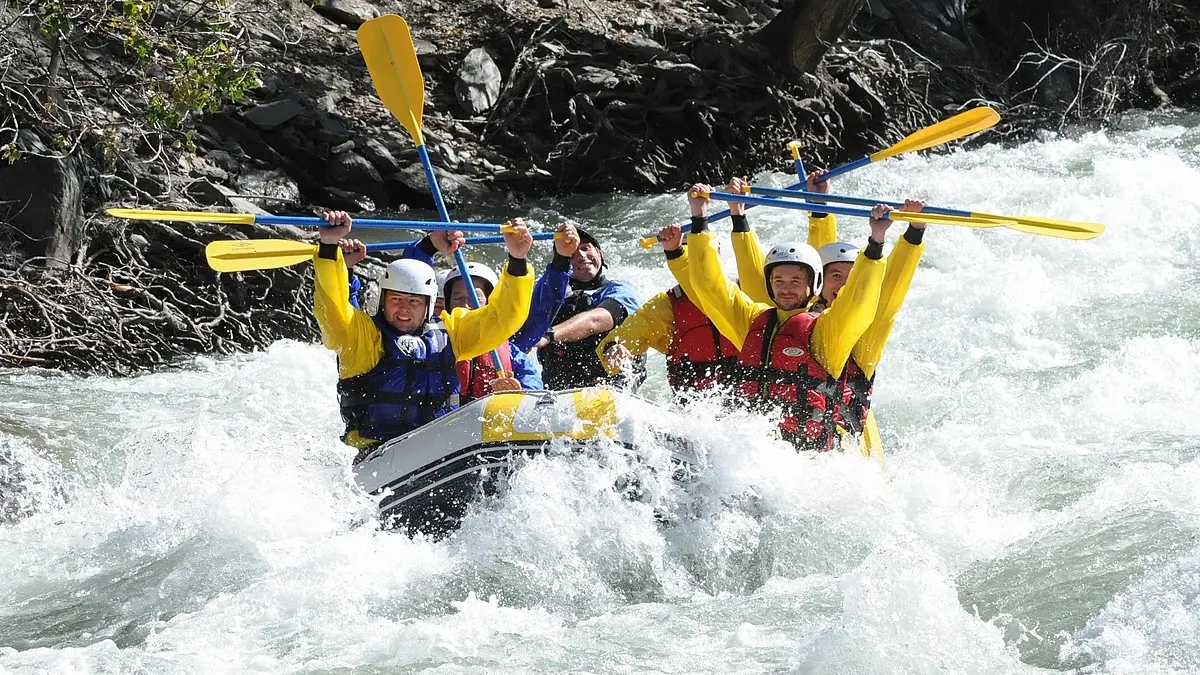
[(1039, 509)]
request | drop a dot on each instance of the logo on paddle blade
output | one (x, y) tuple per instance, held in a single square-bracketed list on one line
[(793, 351)]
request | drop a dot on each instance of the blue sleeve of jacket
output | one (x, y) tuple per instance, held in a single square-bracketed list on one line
[(413, 252), (548, 295), (525, 369), (355, 287), (618, 291)]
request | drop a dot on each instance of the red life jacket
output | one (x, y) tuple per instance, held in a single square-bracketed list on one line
[(856, 389), (477, 374), (856, 397), (699, 356), (778, 370)]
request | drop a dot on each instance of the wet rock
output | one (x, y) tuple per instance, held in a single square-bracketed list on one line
[(591, 78), (270, 183), (43, 198), (378, 155), (202, 169), (478, 84), (350, 171), (409, 186), (224, 161), (353, 13), (206, 193), (271, 116)]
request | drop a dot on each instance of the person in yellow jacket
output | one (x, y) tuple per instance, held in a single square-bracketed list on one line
[(837, 259), (790, 358), (396, 369), (698, 356)]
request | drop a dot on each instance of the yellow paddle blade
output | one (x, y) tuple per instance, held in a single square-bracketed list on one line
[(256, 254), (1077, 235), (387, 47), (1052, 227), (938, 219), (647, 242), (184, 216), (962, 124)]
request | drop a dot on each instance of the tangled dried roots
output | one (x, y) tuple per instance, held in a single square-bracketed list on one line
[(145, 300)]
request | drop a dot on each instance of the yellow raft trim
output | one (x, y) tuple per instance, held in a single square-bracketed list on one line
[(517, 416)]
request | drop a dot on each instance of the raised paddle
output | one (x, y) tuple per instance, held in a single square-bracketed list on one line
[(245, 255), (962, 124), (387, 48), (932, 219), (1051, 227), (302, 221)]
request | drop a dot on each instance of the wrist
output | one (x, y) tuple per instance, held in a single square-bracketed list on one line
[(561, 262), (328, 251), (673, 253), (517, 267)]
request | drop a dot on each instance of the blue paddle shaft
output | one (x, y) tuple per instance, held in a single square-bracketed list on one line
[(788, 204), (846, 199), (494, 239), (379, 224), (472, 297), (847, 168)]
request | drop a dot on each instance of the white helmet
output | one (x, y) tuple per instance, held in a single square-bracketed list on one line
[(441, 280), (795, 253), (413, 277), (838, 251), (477, 271)]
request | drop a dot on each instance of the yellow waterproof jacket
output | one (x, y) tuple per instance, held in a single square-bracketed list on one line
[(359, 345), (901, 266), (653, 325), (733, 311), (751, 257)]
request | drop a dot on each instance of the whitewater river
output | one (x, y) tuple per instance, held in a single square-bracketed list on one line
[(1038, 511)]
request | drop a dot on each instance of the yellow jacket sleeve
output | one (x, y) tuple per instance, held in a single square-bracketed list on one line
[(751, 258), (651, 326), (822, 230), (848, 317), (730, 309), (680, 271), (347, 331), (478, 331), (901, 266)]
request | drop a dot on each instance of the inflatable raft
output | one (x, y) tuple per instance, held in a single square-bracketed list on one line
[(425, 480)]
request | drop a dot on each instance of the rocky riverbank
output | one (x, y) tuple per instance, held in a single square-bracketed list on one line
[(525, 97)]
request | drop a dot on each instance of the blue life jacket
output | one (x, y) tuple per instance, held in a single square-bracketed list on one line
[(414, 383)]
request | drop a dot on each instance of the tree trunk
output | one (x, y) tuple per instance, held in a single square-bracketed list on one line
[(798, 37)]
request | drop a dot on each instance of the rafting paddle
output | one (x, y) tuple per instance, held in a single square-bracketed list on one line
[(387, 48), (301, 221), (962, 124), (932, 219), (246, 255), (1050, 227)]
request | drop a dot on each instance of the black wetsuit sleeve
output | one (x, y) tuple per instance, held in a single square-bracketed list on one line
[(517, 267), (914, 235), (616, 309)]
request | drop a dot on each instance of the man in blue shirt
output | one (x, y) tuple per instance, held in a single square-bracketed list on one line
[(594, 306)]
